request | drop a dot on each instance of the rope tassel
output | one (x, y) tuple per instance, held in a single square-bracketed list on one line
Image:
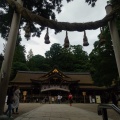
[(66, 41), (85, 40), (27, 31), (47, 41)]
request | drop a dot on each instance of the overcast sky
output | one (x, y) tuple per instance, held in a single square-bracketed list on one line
[(75, 11)]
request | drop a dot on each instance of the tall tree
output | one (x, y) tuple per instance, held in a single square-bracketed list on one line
[(70, 59), (30, 54), (104, 68), (53, 53), (19, 59), (19, 55), (36, 63), (81, 58), (43, 8)]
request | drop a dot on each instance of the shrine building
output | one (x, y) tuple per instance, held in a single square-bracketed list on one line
[(35, 86)]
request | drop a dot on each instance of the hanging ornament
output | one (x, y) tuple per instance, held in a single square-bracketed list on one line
[(47, 41), (66, 41), (102, 38), (85, 40), (27, 31)]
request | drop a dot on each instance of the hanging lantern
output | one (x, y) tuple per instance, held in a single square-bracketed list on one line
[(66, 41), (27, 31), (102, 38), (85, 40), (47, 41)]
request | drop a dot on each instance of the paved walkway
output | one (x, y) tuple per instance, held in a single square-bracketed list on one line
[(59, 112)]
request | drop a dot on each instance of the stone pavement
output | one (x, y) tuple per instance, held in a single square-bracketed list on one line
[(59, 112)]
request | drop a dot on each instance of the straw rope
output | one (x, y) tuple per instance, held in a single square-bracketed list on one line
[(61, 25)]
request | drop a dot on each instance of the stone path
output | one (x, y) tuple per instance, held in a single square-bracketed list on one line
[(59, 112)]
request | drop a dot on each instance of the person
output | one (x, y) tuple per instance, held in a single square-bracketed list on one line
[(59, 99), (10, 101), (15, 105), (53, 99), (70, 98), (50, 99), (114, 98), (45, 99)]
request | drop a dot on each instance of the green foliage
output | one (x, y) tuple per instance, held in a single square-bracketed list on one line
[(19, 55), (36, 63), (30, 54), (43, 8), (71, 59), (19, 60), (81, 58), (103, 63), (91, 2), (18, 66)]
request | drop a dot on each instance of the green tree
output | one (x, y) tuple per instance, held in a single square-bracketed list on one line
[(81, 58), (70, 59), (66, 60), (36, 63), (104, 68), (30, 54), (19, 54), (18, 66), (19, 59), (53, 54), (43, 8)]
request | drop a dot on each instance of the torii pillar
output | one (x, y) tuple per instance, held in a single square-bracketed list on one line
[(114, 36), (8, 58)]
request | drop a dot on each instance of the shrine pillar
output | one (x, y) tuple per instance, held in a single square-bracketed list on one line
[(114, 36)]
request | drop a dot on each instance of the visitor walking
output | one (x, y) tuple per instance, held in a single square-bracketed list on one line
[(15, 105), (59, 99), (10, 101), (53, 99), (70, 98)]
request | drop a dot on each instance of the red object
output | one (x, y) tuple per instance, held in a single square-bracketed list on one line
[(70, 96)]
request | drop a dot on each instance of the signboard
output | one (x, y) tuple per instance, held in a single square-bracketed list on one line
[(98, 99), (84, 93), (24, 93)]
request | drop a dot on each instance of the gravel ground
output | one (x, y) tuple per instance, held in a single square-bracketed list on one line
[(26, 107)]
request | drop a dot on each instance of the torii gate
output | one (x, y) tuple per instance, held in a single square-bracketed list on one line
[(8, 57)]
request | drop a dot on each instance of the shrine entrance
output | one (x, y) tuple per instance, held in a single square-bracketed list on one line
[(54, 94), (52, 84)]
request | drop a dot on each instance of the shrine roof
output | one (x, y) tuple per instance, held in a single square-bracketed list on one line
[(26, 76)]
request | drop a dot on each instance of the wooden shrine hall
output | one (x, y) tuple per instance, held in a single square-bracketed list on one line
[(35, 86)]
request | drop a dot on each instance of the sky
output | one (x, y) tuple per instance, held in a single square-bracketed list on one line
[(75, 11)]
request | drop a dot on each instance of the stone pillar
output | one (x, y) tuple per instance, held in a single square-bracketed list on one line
[(114, 36)]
